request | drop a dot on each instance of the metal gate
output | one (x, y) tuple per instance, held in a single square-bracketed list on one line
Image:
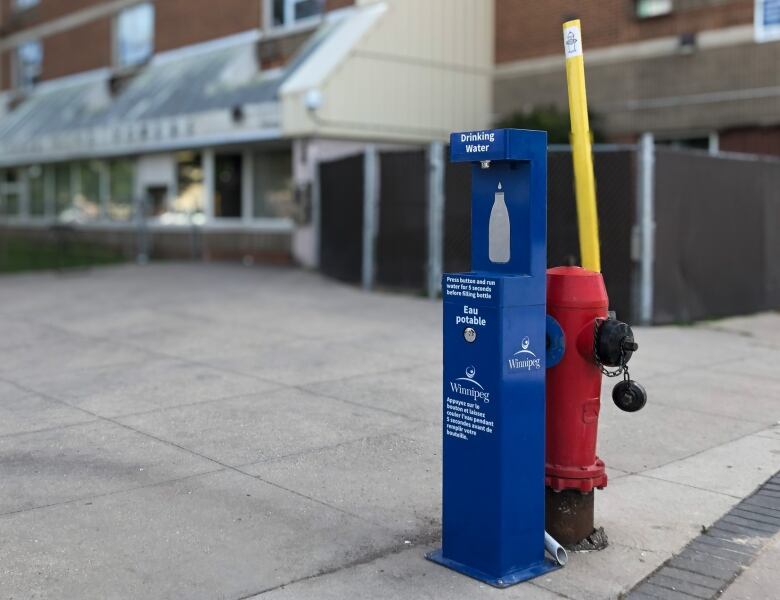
[(341, 218), (716, 236), (402, 237), (615, 179), (457, 216), (616, 194)]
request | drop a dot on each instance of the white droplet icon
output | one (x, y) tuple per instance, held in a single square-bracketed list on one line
[(498, 229)]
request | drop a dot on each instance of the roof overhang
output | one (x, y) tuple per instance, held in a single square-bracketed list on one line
[(396, 70), (380, 70), (210, 94)]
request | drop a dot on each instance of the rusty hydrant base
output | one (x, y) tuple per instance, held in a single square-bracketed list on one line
[(569, 515)]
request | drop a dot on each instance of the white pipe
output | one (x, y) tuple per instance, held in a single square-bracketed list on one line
[(555, 549)]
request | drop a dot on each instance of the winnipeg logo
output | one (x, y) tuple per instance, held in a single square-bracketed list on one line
[(524, 358), (471, 385), (470, 372)]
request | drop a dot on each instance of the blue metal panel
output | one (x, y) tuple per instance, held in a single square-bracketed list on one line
[(498, 144), (467, 146), (493, 504)]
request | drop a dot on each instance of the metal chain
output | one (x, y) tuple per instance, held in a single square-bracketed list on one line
[(622, 368)]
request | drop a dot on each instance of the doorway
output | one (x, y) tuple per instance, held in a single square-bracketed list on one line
[(227, 186)]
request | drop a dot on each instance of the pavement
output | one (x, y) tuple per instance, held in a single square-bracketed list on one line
[(221, 432), (761, 579)]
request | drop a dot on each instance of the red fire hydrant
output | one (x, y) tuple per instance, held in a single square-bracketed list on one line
[(577, 300)]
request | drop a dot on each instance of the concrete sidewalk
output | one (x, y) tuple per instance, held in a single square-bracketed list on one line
[(190, 431)]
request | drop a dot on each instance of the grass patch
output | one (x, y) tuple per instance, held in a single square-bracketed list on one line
[(19, 254)]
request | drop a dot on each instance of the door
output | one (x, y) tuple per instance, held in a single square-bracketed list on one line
[(227, 192), (341, 218)]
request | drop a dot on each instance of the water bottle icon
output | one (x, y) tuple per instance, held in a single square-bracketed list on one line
[(498, 229)]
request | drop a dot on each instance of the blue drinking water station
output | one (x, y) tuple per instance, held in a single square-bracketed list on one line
[(494, 366)]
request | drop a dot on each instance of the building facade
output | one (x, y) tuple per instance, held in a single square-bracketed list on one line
[(194, 115), (702, 73), (185, 115)]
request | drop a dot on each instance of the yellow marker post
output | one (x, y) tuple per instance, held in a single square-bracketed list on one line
[(584, 181)]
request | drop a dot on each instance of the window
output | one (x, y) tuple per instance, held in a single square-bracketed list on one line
[(646, 9), (24, 4), (87, 197), (9, 193), (273, 194), (62, 190), (287, 12), (227, 185), (29, 60), (189, 176), (120, 202), (134, 32), (767, 20), (37, 187), (155, 198)]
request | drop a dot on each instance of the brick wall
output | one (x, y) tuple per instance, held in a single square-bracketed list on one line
[(45, 10), (184, 22), (622, 93), (529, 28), (5, 70), (13, 20), (263, 247), (756, 140), (80, 49), (53, 9), (177, 23), (335, 4)]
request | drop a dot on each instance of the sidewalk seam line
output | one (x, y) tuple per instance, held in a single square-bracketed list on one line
[(208, 458), (107, 494), (703, 450), (693, 487)]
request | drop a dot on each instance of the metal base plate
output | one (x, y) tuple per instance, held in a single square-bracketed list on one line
[(545, 566)]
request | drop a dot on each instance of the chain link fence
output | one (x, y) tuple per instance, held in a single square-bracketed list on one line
[(615, 170), (401, 252), (713, 239), (341, 218), (716, 237), (402, 233)]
